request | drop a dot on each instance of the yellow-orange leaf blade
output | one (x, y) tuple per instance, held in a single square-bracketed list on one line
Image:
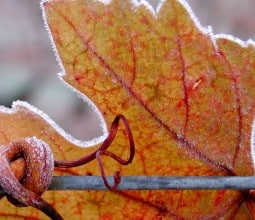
[(188, 98), (177, 87)]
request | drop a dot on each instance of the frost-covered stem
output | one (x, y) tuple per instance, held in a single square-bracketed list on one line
[(31, 161), (35, 176)]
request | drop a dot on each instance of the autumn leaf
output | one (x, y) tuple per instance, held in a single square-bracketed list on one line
[(188, 95)]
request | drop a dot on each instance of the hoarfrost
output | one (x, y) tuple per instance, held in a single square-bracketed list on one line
[(253, 142), (69, 137), (41, 152), (17, 105), (41, 148)]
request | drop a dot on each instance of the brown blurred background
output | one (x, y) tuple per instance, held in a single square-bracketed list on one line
[(28, 67)]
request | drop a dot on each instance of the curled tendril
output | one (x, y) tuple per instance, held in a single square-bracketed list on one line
[(25, 189), (102, 150), (27, 165)]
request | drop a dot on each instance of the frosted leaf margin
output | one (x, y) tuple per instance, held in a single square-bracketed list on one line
[(17, 105)]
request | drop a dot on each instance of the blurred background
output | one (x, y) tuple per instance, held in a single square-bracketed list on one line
[(28, 67)]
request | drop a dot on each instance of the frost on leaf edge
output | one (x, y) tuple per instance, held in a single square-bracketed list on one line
[(18, 105), (61, 75)]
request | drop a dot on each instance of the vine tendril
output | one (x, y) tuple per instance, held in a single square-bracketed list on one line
[(27, 165)]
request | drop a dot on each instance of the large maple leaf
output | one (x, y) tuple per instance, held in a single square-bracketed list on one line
[(188, 95)]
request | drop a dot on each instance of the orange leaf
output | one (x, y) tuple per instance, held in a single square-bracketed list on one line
[(188, 96)]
